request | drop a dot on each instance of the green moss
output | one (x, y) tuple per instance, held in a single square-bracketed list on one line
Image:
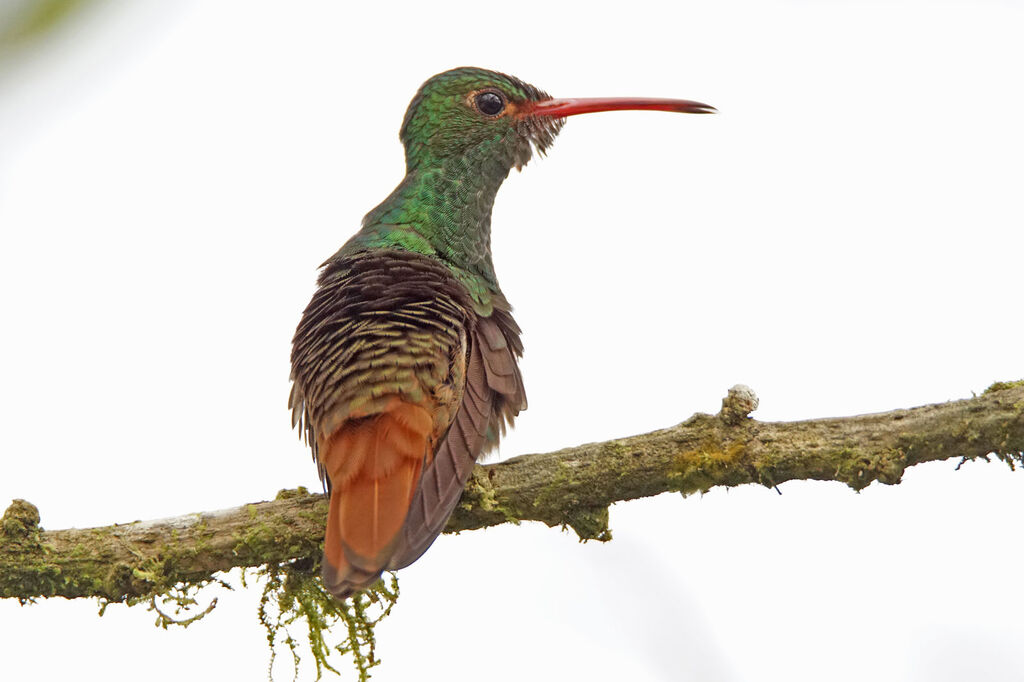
[(20, 533), (480, 493), (34, 577), (20, 520), (294, 596), (292, 493), (556, 495), (317, 513), (590, 523), (1003, 385), (701, 468), (293, 604)]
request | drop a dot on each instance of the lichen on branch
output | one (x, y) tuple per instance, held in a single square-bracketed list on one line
[(165, 563), (572, 488)]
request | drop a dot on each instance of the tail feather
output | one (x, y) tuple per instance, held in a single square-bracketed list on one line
[(341, 578), (375, 465)]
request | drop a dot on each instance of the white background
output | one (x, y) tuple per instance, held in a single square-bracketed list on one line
[(845, 237)]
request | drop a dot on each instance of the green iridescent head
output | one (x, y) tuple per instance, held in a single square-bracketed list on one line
[(461, 110), (463, 132)]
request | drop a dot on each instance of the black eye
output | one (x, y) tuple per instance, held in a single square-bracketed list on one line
[(490, 103)]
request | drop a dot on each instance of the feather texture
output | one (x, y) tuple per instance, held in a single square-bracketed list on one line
[(404, 365), (399, 386), (490, 401)]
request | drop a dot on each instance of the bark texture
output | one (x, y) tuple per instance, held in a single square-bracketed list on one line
[(571, 487)]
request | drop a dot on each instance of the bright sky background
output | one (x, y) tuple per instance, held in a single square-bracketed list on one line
[(845, 237)]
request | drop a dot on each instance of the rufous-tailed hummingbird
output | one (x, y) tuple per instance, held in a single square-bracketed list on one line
[(404, 365)]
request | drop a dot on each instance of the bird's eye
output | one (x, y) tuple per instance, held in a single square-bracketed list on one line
[(489, 103)]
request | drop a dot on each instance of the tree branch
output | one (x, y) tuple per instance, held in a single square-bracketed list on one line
[(571, 487)]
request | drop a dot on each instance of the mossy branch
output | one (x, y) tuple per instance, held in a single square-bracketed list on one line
[(571, 487)]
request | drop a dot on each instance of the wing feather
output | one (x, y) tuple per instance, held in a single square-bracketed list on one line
[(491, 399)]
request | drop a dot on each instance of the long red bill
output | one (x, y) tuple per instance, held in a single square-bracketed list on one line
[(588, 105)]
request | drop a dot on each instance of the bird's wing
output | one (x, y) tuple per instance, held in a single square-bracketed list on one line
[(493, 396), (379, 364)]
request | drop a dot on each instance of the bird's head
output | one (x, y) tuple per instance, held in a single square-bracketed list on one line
[(469, 108)]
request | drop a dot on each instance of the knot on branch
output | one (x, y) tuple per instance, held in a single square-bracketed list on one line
[(20, 520), (738, 405)]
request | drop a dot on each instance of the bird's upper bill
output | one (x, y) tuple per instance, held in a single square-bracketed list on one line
[(560, 108)]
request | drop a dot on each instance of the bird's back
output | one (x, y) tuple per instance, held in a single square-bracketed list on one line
[(399, 385)]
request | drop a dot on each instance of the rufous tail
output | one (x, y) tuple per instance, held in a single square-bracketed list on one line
[(374, 464)]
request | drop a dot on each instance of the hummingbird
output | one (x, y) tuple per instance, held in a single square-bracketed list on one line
[(404, 365)]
